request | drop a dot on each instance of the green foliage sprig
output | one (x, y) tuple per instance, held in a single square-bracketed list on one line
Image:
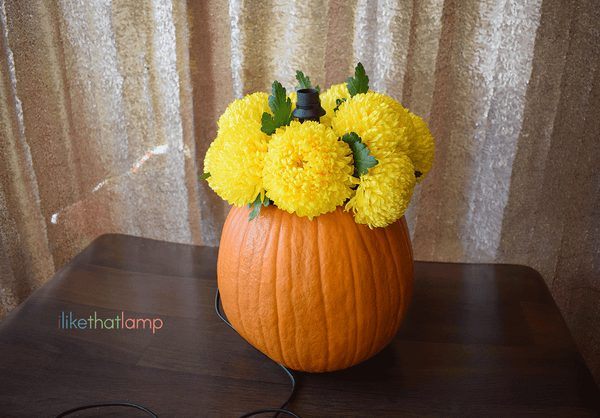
[(359, 83), (281, 106), (363, 161)]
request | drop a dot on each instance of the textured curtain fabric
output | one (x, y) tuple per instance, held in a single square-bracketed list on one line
[(108, 108), (96, 131)]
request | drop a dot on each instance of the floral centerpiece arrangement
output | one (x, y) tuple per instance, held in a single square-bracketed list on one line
[(315, 265), (366, 153)]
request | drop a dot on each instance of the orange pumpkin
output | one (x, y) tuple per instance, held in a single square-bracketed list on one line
[(318, 295)]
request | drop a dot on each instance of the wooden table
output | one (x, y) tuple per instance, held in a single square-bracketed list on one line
[(479, 340)]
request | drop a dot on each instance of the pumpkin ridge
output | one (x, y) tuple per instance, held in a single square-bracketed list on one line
[(237, 215), (354, 275), (286, 230), (261, 338), (291, 223), (396, 241), (408, 245), (298, 341), (399, 283), (242, 274), (384, 287), (275, 282), (310, 229), (394, 282), (374, 279), (330, 327), (361, 303), (248, 273), (405, 294), (324, 293)]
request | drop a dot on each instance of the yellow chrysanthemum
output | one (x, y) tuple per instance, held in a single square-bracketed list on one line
[(385, 191), (422, 150), (328, 101), (307, 170), (382, 122), (235, 159), (378, 119), (245, 113)]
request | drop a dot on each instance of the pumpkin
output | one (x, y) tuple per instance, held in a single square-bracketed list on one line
[(314, 295)]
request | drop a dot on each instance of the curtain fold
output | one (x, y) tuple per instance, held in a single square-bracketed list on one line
[(103, 132), (97, 131)]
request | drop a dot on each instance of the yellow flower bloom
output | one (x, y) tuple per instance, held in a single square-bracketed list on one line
[(385, 191), (378, 119), (245, 113), (383, 123), (307, 169), (235, 159), (422, 150), (328, 101)]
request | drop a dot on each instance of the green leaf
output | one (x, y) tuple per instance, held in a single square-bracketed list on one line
[(269, 125), (204, 176), (281, 106), (360, 82), (362, 160), (338, 103), (254, 212), (304, 81), (256, 205)]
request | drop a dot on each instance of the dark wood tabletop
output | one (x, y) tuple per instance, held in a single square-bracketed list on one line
[(479, 340)]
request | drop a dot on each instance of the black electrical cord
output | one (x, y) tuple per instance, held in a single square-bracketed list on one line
[(94, 405), (288, 371)]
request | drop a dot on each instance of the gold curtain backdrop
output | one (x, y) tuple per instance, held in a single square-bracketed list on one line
[(108, 108)]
